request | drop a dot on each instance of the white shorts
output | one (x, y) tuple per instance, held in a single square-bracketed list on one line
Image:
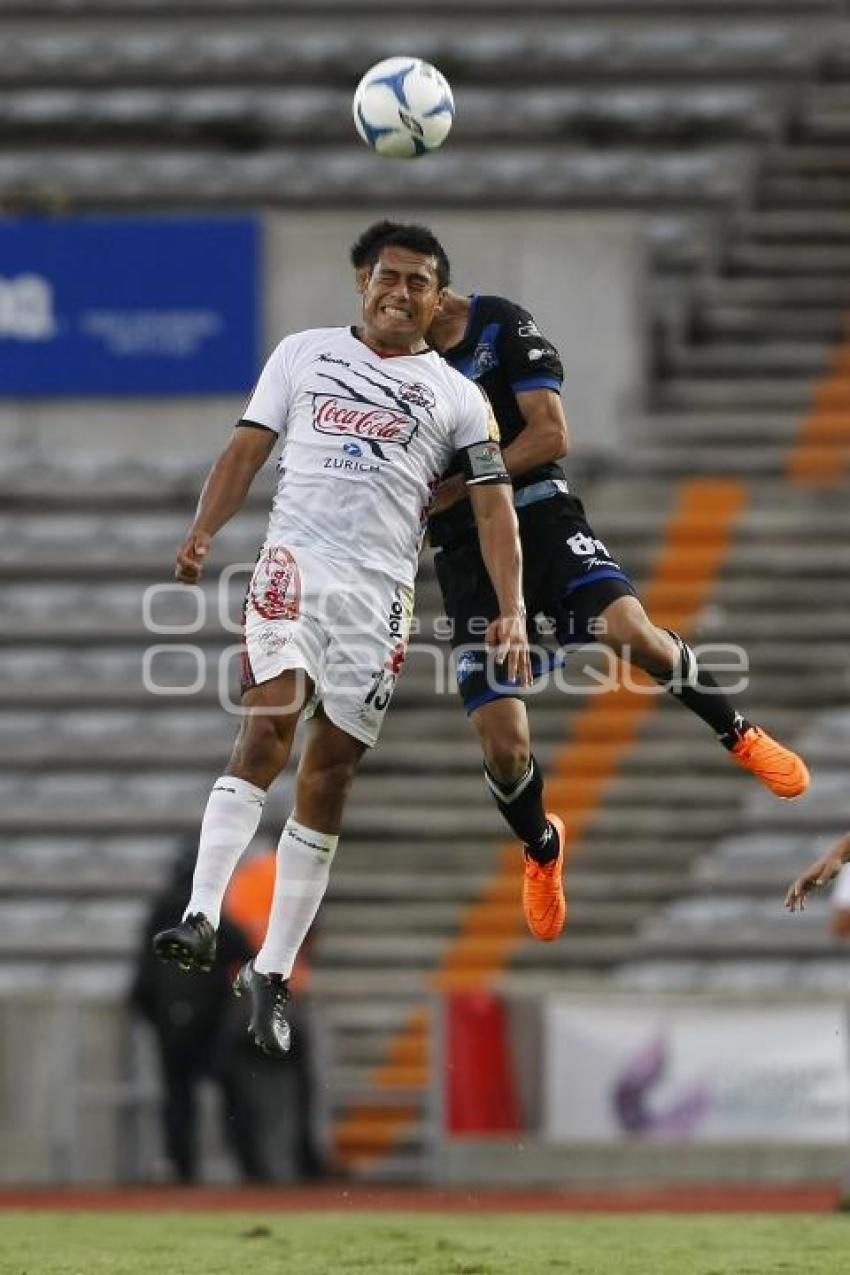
[(348, 633)]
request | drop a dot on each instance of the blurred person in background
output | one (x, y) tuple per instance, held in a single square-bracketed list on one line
[(194, 1022), (282, 1089), (370, 416), (568, 575), (820, 872)]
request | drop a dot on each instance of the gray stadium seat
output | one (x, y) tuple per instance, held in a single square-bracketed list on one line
[(54, 928), (697, 9), (290, 114), (557, 175), (116, 738), (210, 54), (759, 856), (831, 727), (35, 675), (63, 863), (739, 926), (754, 976), (825, 802)]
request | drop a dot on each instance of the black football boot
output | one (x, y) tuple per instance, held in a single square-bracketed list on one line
[(269, 994), (191, 944)]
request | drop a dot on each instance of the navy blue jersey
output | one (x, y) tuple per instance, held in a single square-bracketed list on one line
[(504, 351)]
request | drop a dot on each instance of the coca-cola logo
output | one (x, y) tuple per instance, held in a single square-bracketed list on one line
[(374, 425)]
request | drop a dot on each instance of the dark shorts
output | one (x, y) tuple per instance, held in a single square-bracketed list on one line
[(569, 578)]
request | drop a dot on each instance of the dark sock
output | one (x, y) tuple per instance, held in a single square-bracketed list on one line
[(521, 806), (697, 690), (546, 849)]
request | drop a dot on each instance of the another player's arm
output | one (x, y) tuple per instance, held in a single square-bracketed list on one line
[(226, 486), (544, 438), (532, 367), (818, 873)]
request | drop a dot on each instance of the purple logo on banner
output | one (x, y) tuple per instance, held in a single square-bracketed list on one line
[(633, 1091)]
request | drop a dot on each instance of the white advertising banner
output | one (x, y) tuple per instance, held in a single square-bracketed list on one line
[(692, 1072)]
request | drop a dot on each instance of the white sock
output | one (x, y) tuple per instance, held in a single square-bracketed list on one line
[(230, 821), (304, 860)]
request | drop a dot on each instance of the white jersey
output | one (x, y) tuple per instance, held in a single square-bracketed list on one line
[(366, 439)]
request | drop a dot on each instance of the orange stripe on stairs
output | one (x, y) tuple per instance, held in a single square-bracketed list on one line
[(695, 547), (821, 455)]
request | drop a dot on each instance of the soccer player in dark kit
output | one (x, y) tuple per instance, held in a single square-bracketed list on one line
[(568, 575)]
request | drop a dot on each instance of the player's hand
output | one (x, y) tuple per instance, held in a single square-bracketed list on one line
[(508, 637), (817, 874), (447, 493), (190, 557)]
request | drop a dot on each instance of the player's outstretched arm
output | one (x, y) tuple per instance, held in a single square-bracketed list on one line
[(225, 489), (818, 873), (498, 534)]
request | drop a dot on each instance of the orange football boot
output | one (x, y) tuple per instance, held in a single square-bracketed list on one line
[(543, 898), (780, 770)]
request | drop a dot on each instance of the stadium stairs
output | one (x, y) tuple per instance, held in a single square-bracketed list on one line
[(676, 876)]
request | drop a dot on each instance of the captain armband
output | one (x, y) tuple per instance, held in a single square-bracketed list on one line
[(483, 463)]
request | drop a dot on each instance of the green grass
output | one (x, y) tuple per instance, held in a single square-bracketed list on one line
[(419, 1244)]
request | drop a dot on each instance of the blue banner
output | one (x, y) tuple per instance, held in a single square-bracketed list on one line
[(128, 305)]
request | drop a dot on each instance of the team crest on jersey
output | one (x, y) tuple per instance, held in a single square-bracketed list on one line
[(483, 360), (417, 394)]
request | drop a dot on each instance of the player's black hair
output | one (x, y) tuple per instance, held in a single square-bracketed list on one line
[(366, 249)]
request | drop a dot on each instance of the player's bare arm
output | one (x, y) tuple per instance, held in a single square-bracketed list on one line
[(498, 534), (227, 484), (819, 873), (544, 439)]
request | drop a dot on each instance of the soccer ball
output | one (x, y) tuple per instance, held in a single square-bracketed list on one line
[(403, 108)]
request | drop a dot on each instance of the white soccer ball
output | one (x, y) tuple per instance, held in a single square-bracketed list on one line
[(403, 108)]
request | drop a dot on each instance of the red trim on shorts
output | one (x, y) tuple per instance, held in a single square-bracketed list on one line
[(247, 681)]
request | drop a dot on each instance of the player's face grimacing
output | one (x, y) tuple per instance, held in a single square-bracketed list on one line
[(400, 298)]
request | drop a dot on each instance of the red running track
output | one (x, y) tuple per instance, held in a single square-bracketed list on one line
[(697, 1198)]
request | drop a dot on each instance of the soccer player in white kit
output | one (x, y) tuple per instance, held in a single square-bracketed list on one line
[(370, 417)]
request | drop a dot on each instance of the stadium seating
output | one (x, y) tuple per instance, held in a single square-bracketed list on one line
[(729, 131), (266, 52), (219, 113), (288, 115), (555, 176)]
